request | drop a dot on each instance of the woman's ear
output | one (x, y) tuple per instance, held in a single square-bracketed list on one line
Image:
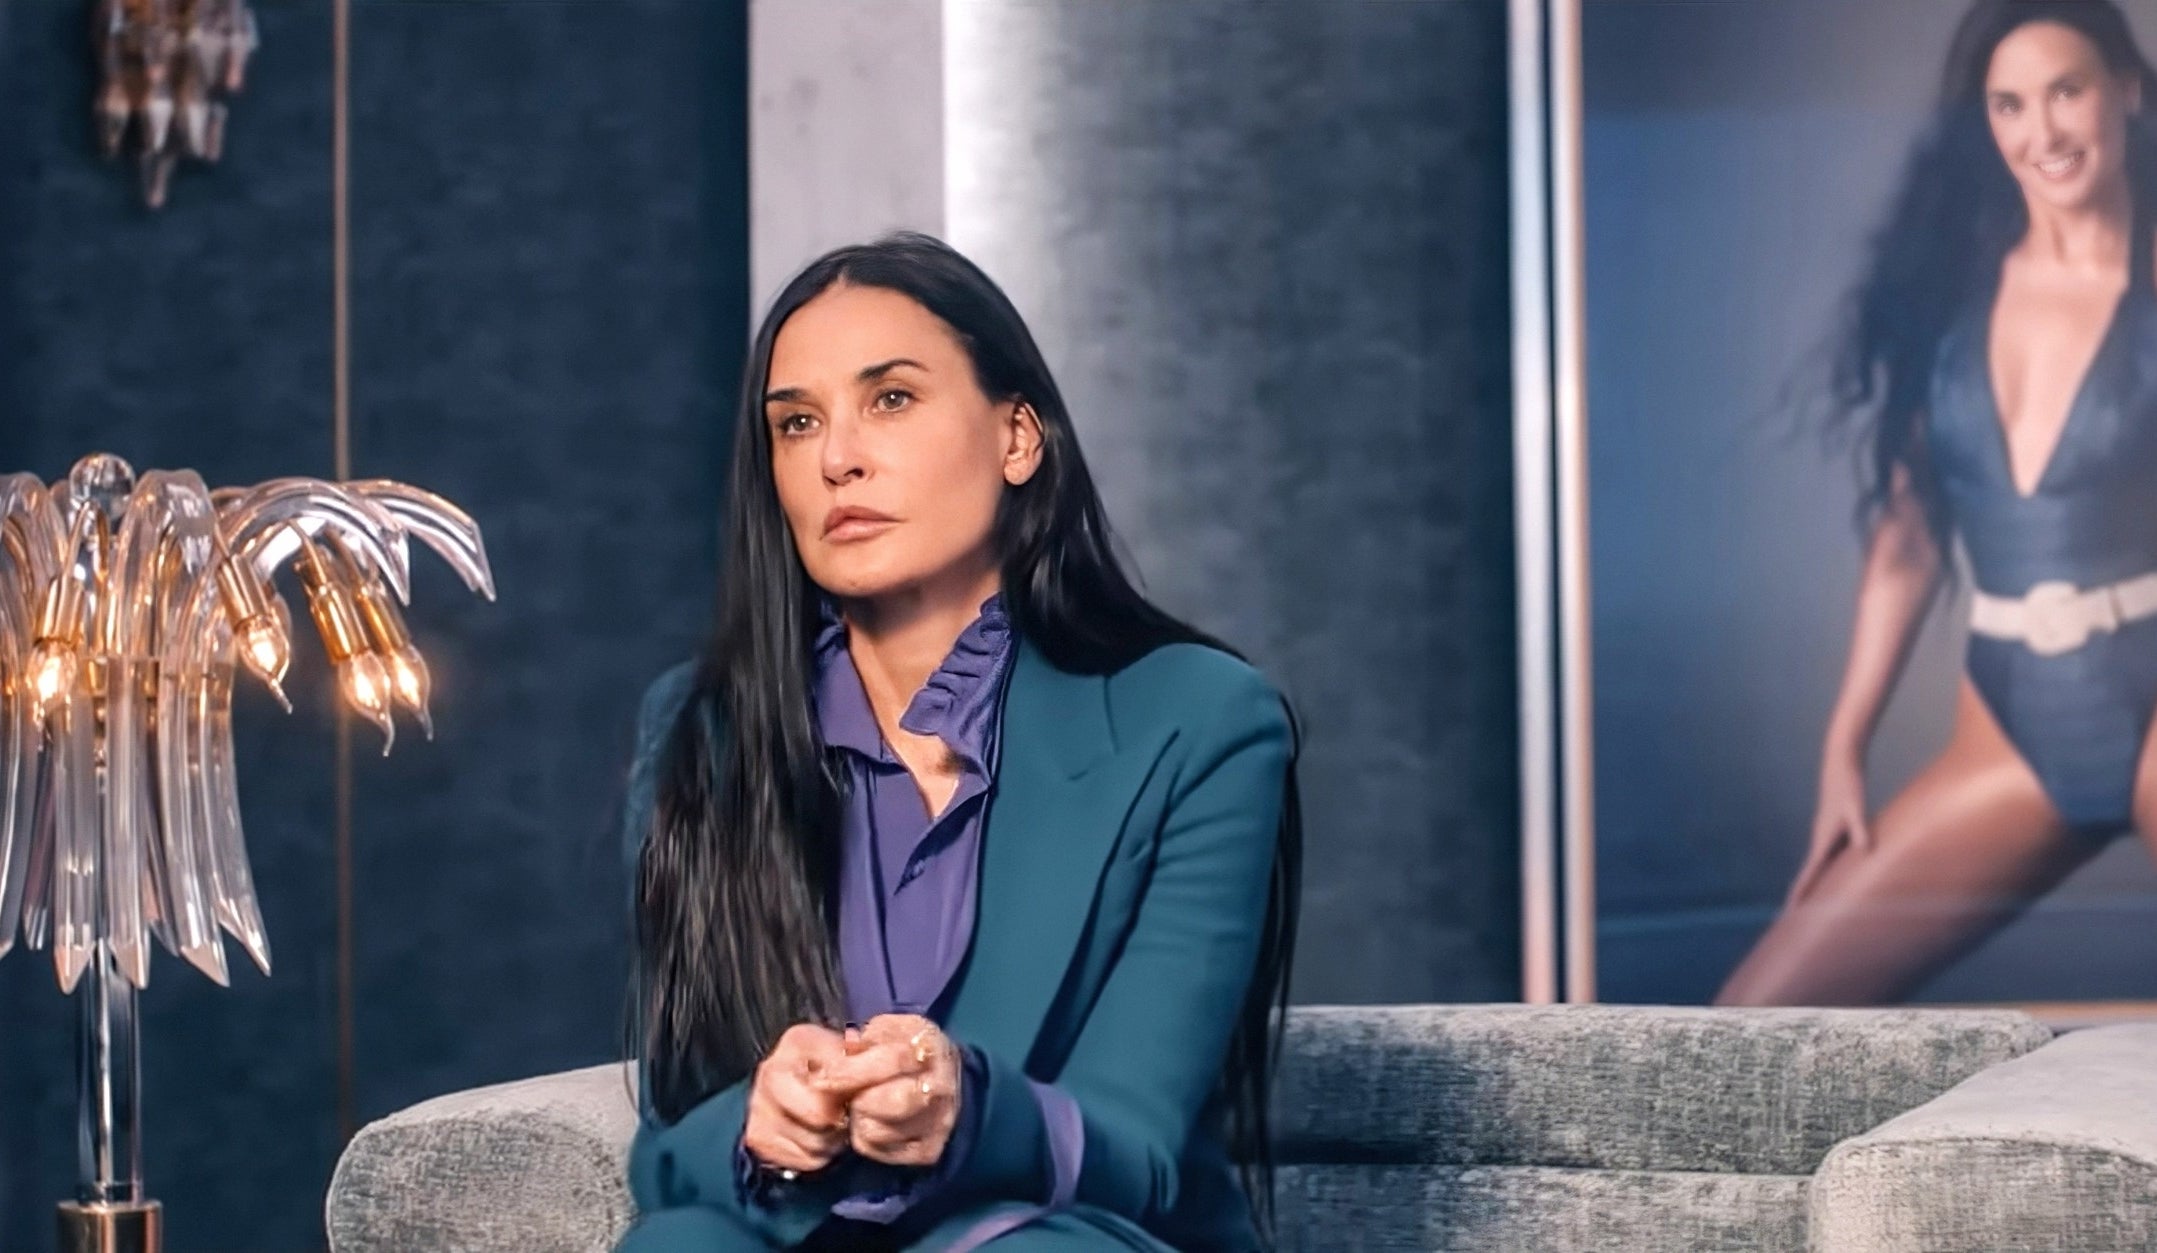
[(1022, 448)]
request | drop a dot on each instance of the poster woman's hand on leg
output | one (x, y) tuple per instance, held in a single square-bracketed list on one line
[(1838, 818)]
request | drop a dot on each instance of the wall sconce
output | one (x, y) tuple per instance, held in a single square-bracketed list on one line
[(164, 67)]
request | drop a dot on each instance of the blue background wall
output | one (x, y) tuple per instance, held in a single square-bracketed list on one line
[(549, 276)]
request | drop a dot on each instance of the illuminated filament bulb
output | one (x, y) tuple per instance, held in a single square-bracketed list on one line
[(360, 673), (366, 683), (263, 634), (53, 664), (267, 653), (408, 670), (408, 675), (62, 619)]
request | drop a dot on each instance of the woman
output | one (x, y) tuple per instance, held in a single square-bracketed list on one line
[(2004, 353), (967, 876)]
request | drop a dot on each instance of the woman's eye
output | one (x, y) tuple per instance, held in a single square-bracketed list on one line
[(795, 423), (893, 399), (2006, 108), (2067, 91)]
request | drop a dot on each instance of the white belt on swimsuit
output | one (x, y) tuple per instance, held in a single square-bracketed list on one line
[(2055, 618)]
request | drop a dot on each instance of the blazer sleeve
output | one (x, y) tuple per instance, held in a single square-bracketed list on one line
[(691, 1161), (1150, 1053)]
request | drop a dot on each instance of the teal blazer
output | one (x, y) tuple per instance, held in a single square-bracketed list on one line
[(1126, 857)]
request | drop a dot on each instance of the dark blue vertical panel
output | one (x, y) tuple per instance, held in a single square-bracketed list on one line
[(197, 336), (550, 285), (549, 278)]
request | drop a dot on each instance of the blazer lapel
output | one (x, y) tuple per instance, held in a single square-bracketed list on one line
[(1064, 788)]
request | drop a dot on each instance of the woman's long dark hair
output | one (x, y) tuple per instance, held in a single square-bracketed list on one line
[(735, 919), (1958, 214)]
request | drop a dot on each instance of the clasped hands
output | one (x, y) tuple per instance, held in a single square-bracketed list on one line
[(889, 1091)]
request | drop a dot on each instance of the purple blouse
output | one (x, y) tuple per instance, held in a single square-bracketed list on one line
[(909, 880)]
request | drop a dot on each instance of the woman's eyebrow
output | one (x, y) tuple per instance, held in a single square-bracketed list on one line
[(867, 374), (870, 373)]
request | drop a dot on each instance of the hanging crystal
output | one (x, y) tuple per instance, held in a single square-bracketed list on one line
[(164, 70)]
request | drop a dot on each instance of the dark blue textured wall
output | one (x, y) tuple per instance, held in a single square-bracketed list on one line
[(197, 337), (549, 282), (550, 242)]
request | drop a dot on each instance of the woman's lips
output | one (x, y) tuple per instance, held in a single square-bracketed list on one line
[(847, 524), (2060, 169)]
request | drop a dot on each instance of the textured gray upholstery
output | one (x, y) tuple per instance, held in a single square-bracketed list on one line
[(1624, 1087), (1505, 1127), (534, 1166), (2056, 1150), (1537, 1209)]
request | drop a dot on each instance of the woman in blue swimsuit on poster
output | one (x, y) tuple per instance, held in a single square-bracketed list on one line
[(2003, 360)]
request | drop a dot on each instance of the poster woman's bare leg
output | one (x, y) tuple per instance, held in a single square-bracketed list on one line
[(1966, 846), (2146, 791)]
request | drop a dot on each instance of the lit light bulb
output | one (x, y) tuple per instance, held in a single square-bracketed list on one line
[(366, 684), (408, 674), (267, 653), (52, 674)]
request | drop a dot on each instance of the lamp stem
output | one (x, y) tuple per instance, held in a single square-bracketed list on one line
[(109, 1083), (109, 1213)]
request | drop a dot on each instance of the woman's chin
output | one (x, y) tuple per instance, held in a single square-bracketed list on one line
[(849, 586), (863, 580), (856, 572), (2076, 195)]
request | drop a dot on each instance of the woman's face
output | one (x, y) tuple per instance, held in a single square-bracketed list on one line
[(2059, 115), (889, 459)]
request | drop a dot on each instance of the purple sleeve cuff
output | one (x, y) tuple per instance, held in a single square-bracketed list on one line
[(1067, 1141), (905, 1190), (1065, 1130)]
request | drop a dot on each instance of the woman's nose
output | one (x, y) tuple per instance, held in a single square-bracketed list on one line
[(841, 453), (2048, 127)]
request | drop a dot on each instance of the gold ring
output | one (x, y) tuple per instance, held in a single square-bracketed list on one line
[(924, 1085), (921, 1051)]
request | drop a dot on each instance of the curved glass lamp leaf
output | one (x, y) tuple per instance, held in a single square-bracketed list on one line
[(257, 525), (440, 525)]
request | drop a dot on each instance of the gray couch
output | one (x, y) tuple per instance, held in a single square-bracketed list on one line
[(1494, 1128)]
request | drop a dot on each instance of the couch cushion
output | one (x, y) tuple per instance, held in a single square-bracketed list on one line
[(1619, 1087), (2056, 1150), (535, 1166), (1506, 1209)]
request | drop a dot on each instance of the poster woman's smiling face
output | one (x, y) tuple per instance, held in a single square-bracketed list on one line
[(2059, 116)]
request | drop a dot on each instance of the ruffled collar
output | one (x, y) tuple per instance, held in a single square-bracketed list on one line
[(959, 704)]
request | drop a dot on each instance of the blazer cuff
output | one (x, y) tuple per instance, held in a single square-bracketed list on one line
[(696, 1161)]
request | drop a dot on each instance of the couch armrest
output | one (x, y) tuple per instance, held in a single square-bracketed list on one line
[(2053, 1150), (534, 1166)]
